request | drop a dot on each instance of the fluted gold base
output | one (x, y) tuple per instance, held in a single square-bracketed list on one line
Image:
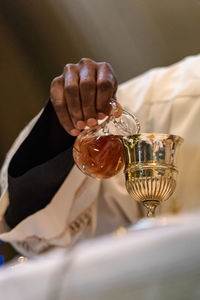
[(151, 191), (158, 188)]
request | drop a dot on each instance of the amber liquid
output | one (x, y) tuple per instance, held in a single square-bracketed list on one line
[(99, 157)]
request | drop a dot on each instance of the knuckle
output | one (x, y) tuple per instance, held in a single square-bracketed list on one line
[(106, 66), (56, 81), (69, 67), (85, 61), (105, 85), (71, 90), (87, 84)]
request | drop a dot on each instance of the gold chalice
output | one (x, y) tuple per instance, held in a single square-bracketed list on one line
[(151, 167)]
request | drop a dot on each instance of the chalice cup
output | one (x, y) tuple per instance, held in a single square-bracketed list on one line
[(151, 167)]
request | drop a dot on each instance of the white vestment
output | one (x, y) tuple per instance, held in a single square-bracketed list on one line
[(165, 100)]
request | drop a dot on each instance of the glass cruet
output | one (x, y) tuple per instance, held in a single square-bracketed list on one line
[(98, 151)]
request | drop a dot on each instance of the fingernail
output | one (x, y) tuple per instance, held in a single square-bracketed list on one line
[(74, 132), (91, 122), (80, 124), (101, 116)]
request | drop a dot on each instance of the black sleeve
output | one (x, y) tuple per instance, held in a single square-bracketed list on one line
[(39, 167)]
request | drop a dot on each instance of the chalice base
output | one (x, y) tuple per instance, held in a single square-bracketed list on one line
[(151, 206)]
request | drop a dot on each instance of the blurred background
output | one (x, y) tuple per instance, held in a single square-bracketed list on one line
[(37, 38)]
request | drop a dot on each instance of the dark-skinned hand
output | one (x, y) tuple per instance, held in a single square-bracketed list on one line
[(81, 95)]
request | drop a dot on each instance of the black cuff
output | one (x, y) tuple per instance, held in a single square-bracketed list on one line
[(39, 167), (35, 189), (46, 140)]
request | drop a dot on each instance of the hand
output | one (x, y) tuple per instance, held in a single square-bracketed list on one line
[(80, 96)]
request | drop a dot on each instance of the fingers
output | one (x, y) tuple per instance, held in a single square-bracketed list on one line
[(60, 107), (71, 93), (88, 90), (106, 87), (81, 95)]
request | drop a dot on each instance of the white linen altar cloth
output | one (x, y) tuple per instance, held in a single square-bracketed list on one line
[(160, 262)]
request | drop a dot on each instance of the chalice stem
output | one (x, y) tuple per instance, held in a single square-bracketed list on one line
[(151, 207)]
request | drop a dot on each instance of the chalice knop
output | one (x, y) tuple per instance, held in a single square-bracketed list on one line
[(151, 167)]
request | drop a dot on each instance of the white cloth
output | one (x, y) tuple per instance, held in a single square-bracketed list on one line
[(158, 263), (165, 100)]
